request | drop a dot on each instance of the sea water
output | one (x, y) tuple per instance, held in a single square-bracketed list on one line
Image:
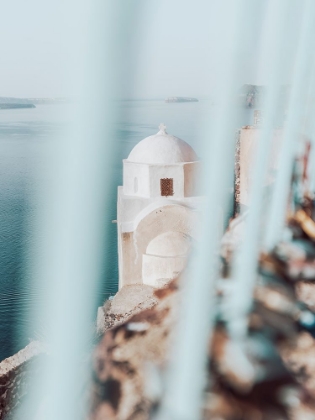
[(25, 135)]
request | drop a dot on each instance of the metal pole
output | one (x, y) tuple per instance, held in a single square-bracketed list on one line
[(185, 378), (276, 30), (304, 61), (69, 252)]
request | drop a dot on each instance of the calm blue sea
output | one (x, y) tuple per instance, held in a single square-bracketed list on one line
[(24, 139)]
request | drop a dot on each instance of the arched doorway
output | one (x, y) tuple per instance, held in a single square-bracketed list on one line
[(165, 258)]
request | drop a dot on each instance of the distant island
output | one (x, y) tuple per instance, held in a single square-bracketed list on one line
[(180, 99), (16, 103), (16, 106)]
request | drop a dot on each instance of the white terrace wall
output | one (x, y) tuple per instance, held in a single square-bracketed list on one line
[(247, 148)]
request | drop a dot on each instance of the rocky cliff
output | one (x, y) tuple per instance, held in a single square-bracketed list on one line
[(15, 376)]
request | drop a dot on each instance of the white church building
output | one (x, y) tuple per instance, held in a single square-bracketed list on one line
[(157, 210)]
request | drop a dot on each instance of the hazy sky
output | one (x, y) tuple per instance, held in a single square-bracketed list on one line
[(175, 46)]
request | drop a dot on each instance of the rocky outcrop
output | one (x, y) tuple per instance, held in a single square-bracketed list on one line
[(130, 300), (14, 377), (130, 351)]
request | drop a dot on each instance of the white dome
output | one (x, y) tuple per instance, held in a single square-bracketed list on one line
[(169, 244), (162, 148)]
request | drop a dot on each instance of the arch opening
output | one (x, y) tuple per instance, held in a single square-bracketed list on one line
[(165, 258)]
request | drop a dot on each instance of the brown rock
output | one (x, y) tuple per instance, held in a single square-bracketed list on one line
[(122, 356), (299, 358), (129, 300), (306, 293)]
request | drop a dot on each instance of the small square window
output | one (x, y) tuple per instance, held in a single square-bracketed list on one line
[(166, 187)]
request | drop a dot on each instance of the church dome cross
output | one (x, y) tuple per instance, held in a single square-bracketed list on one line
[(162, 128)]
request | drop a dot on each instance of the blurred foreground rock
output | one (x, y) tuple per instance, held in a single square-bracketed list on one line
[(268, 376), (131, 352), (251, 380), (131, 299)]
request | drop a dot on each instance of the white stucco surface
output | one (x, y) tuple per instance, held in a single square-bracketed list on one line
[(155, 231), (132, 209), (249, 138), (157, 271), (143, 180), (169, 244), (136, 179), (162, 148)]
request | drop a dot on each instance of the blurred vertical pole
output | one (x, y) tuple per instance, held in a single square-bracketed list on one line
[(312, 163), (310, 131), (185, 380), (304, 61), (274, 37), (69, 253)]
